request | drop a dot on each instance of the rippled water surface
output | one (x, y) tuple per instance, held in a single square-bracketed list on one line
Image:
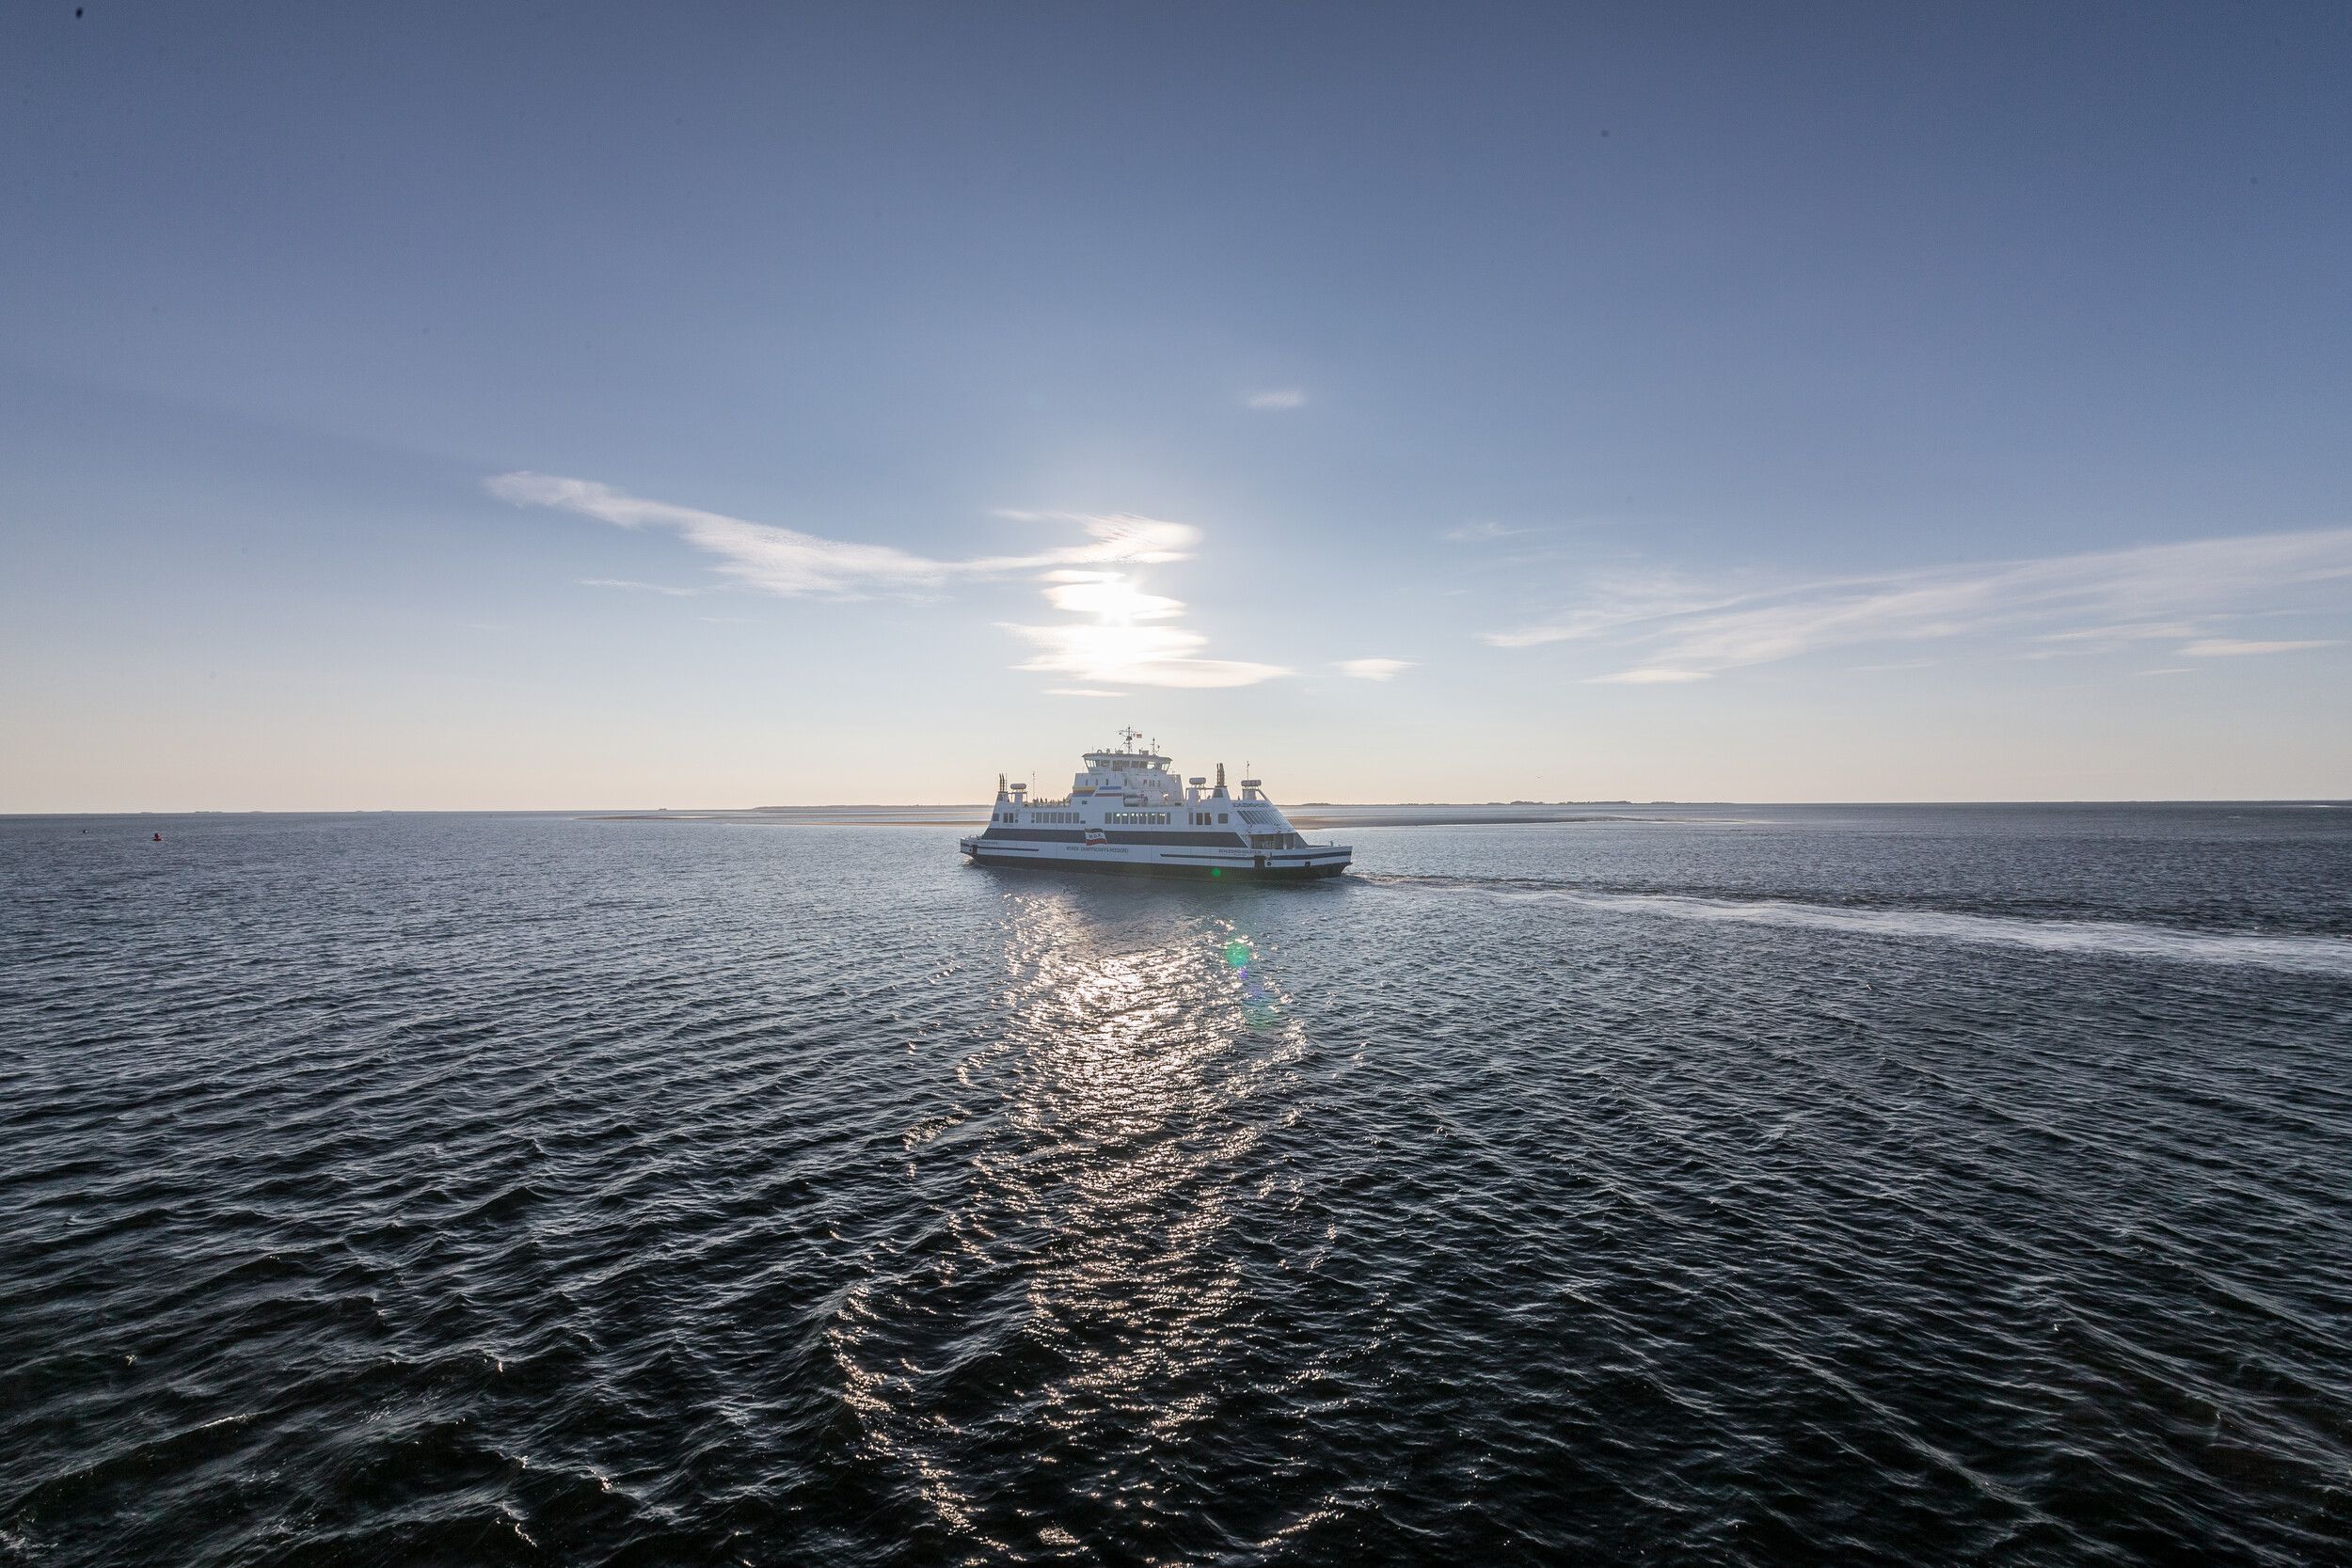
[(1754, 1186)]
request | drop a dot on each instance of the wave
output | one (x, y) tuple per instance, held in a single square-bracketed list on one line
[(2114, 938)]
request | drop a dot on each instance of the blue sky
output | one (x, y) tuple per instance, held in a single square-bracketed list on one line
[(704, 405)]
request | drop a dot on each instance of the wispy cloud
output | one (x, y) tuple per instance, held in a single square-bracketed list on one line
[(787, 562), (2232, 647), (1125, 634), (2141, 631), (1127, 638), (1277, 397), (1373, 669), (1680, 630), (1619, 599), (641, 587), (1649, 677), (1080, 691), (1479, 533)]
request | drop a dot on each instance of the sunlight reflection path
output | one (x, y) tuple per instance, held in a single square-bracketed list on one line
[(1090, 1266)]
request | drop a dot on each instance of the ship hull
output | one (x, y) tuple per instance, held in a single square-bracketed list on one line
[(1275, 865)]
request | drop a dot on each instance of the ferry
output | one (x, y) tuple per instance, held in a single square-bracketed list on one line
[(1127, 812)]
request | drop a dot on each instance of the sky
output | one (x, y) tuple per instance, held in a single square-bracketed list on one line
[(521, 407)]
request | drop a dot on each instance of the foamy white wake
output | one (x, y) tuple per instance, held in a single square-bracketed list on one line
[(2304, 955)]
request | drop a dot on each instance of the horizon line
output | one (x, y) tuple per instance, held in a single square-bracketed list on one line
[(2332, 801)]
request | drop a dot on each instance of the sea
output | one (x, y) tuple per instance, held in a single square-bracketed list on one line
[(1740, 1185)]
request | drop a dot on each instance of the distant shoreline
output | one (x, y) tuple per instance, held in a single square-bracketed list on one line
[(1325, 817), (1413, 813), (901, 816)]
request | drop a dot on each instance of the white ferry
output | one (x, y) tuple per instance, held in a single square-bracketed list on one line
[(1127, 812)]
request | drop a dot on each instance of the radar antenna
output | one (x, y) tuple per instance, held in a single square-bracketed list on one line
[(1129, 735)]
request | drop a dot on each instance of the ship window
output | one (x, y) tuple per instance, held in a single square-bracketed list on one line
[(1220, 816)]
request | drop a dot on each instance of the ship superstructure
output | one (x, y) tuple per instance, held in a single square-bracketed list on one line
[(1126, 812)]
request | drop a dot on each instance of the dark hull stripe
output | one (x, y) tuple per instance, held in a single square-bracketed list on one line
[(1291, 873), (1118, 835)]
